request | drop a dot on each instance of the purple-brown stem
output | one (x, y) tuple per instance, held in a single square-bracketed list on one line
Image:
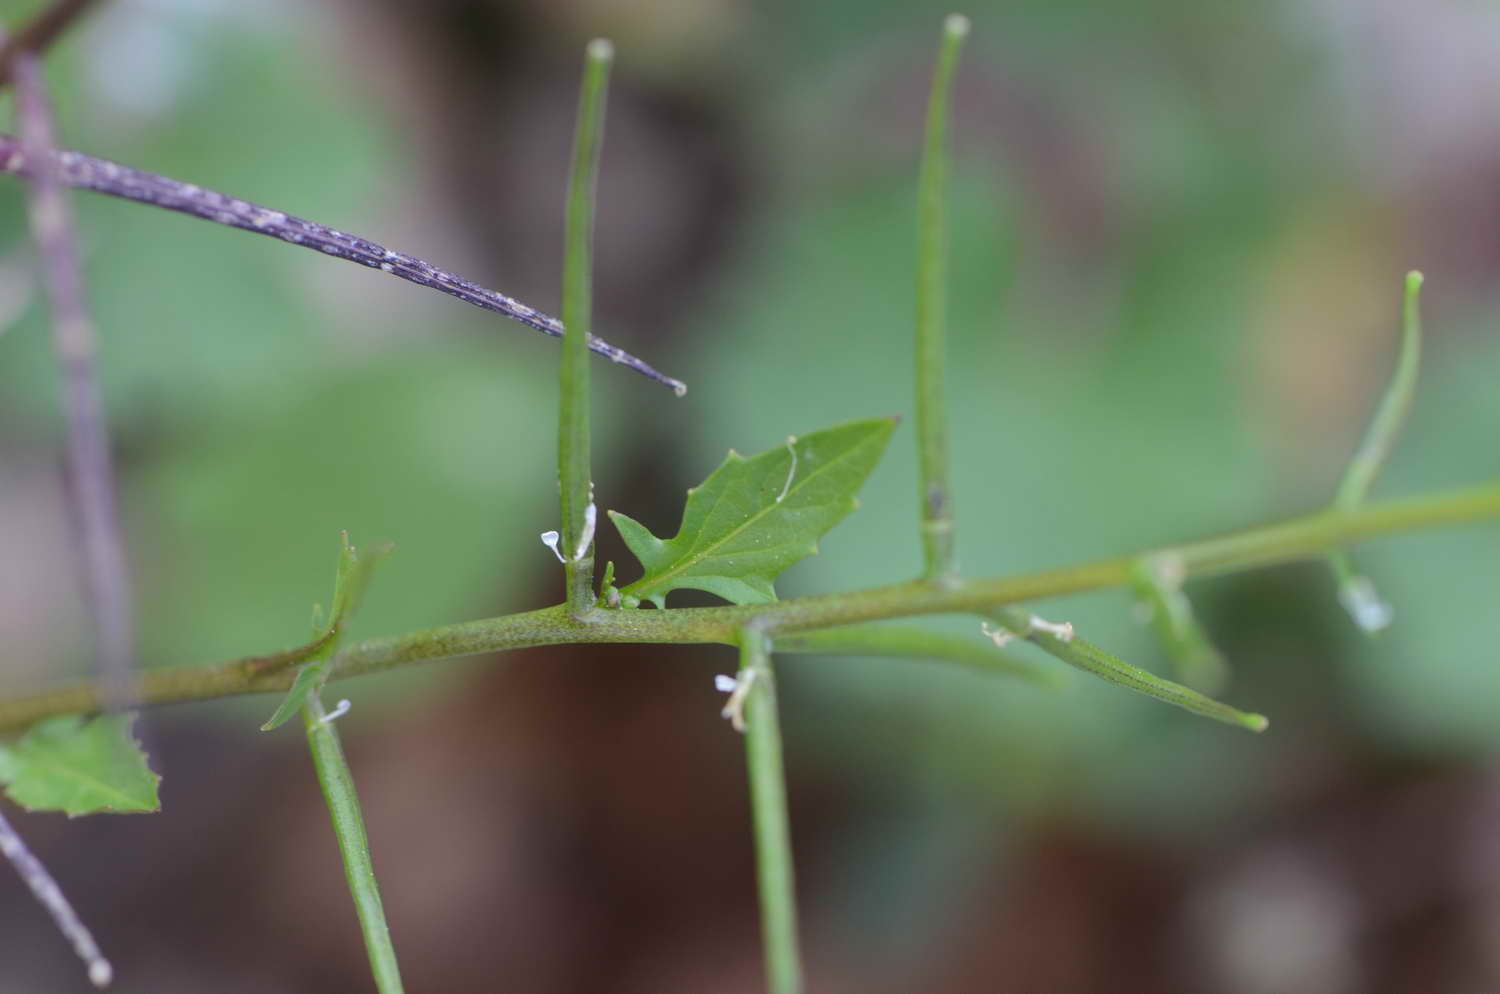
[(102, 176), (90, 474), (51, 897)]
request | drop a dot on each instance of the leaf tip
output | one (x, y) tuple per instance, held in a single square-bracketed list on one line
[(1257, 723)]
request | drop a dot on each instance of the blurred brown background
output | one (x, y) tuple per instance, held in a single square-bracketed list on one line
[(1179, 233)]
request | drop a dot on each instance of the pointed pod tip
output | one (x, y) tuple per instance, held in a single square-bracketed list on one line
[(1257, 723)]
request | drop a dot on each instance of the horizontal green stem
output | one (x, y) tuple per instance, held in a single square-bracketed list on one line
[(1301, 538)]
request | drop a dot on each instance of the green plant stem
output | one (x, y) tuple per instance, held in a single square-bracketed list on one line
[(1301, 538), (773, 832), (1380, 437), (1356, 592), (573, 457), (936, 495), (911, 642), (1085, 655), (1197, 662), (349, 826)]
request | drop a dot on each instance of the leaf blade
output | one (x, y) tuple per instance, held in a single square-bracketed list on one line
[(79, 768), (754, 517), (350, 581)]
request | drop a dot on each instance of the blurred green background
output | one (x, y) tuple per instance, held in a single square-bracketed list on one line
[(1179, 231)]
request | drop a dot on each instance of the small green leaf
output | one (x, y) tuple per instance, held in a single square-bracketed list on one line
[(349, 585), (64, 764), (752, 518)]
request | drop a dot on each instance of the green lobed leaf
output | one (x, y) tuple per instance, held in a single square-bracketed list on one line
[(752, 518), (349, 585), (64, 764)]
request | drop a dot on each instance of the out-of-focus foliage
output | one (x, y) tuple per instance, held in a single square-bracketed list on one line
[(1179, 231)]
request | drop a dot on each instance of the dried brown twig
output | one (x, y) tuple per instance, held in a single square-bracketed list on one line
[(102, 176), (91, 475)]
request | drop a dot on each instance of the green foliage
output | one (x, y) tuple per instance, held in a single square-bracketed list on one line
[(80, 768), (752, 518), (349, 585)]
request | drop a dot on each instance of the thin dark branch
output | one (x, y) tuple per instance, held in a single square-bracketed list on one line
[(39, 35), (50, 896), (88, 173), (91, 476)]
